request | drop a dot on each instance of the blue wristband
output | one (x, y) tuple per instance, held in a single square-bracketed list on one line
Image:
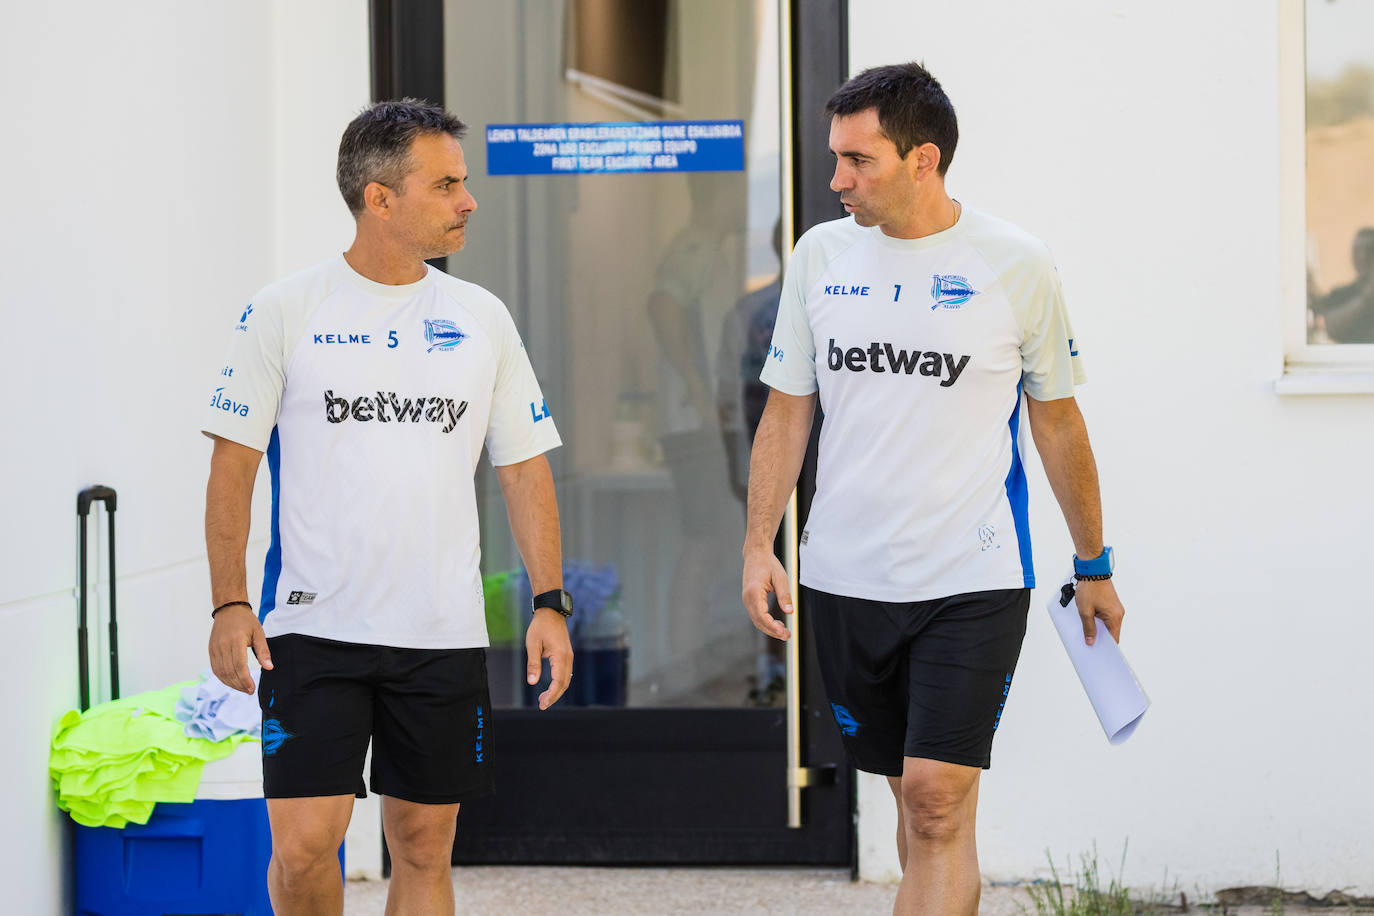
[(1101, 565)]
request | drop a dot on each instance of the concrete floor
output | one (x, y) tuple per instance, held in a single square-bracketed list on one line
[(548, 891), (536, 891)]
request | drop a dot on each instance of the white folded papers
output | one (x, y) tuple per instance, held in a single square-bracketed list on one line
[(1117, 697)]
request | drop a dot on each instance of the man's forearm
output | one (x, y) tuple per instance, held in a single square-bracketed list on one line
[(228, 508), (532, 507), (775, 463), (1061, 438)]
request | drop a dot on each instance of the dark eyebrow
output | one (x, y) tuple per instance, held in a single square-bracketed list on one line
[(449, 179), (852, 154)]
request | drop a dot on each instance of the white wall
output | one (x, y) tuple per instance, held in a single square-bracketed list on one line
[(164, 160), (1140, 141), (167, 159)]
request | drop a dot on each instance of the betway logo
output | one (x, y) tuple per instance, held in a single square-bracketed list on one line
[(408, 410), (883, 357)]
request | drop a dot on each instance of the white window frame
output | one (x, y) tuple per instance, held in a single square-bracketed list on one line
[(1307, 368)]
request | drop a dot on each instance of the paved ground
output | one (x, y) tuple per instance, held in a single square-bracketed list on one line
[(540, 891), (536, 891), (546, 891)]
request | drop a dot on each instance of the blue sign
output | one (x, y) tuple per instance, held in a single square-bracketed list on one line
[(614, 146)]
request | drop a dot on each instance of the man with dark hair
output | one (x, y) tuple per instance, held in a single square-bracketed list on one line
[(924, 327), (1347, 311), (372, 382)]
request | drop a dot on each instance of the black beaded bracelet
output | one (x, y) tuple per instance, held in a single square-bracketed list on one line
[(229, 604), (1083, 578)]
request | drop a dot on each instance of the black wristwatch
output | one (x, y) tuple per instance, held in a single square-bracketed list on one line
[(557, 599)]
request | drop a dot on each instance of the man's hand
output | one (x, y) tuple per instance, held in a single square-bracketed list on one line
[(236, 628), (763, 574), (547, 637), (533, 513), (1096, 598)]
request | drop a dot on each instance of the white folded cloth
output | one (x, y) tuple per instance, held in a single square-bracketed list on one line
[(213, 710)]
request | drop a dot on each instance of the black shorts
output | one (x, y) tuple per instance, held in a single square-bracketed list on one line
[(426, 712), (918, 678)]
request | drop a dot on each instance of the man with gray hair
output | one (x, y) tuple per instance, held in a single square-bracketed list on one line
[(372, 382)]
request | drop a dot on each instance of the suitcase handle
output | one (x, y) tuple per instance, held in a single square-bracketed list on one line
[(96, 494), (84, 499)]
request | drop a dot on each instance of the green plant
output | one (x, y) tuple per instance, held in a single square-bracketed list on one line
[(1276, 904), (1083, 893)]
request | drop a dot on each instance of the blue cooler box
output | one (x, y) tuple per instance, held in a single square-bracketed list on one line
[(208, 856)]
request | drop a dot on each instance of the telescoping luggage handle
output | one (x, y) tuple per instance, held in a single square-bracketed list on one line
[(84, 499)]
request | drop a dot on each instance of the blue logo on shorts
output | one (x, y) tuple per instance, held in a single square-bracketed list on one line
[(478, 756), (1006, 690), (273, 736), (847, 723)]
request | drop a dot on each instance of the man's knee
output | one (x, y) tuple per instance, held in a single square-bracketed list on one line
[(306, 833), (935, 801), (422, 838), (301, 853)]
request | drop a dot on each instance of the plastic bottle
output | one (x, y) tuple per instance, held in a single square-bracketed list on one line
[(603, 659)]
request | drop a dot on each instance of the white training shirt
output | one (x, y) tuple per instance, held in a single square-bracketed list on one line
[(920, 349), (372, 403)]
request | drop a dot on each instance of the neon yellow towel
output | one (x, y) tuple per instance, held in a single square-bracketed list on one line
[(113, 762), (500, 630)]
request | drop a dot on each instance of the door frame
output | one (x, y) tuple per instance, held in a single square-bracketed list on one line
[(544, 755)]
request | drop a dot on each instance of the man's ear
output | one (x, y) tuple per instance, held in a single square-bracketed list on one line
[(927, 161), (377, 200)]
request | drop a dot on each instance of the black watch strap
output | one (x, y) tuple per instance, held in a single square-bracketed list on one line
[(556, 599)]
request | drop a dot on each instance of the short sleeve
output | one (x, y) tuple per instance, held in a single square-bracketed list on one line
[(521, 424), (790, 366), (1050, 364), (245, 396)]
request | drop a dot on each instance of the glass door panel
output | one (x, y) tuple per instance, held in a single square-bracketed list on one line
[(646, 303)]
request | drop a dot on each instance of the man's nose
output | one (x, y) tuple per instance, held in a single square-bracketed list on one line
[(468, 205), (840, 180)]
